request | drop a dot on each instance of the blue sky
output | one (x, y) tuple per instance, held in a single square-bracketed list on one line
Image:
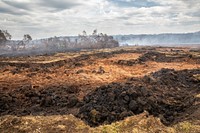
[(46, 18), (134, 3)]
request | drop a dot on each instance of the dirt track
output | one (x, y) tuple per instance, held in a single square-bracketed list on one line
[(103, 87)]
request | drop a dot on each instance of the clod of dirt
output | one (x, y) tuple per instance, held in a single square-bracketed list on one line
[(73, 100), (16, 71), (126, 62), (72, 89), (79, 71), (31, 74), (99, 71)]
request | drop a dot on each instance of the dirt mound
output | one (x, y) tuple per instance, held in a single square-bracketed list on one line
[(166, 94), (159, 57), (163, 57), (153, 56), (177, 79), (71, 62), (26, 100), (127, 62)]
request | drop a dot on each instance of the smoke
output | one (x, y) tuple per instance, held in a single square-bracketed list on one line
[(187, 39), (56, 44), (95, 41)]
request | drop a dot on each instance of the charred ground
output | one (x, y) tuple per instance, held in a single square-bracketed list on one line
[(103, 86)]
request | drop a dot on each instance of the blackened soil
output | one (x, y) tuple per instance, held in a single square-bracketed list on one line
[(71, 62), (160, 57), (166, 94), (27, 100)]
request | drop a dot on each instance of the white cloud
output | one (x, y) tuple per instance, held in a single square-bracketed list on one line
[(43, 18)]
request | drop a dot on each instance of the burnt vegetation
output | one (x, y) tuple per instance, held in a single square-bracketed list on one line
[(4, 36), (28, 46), (159, 57), (49, 85), (166, 93)]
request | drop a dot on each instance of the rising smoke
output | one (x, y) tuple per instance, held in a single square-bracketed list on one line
[(28, 47)]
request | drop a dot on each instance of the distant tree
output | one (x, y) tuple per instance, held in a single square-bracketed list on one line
[(22, 44), (94, 32), (96, 40), (83, 36), (4, 36), (27, 38), (84, 33)]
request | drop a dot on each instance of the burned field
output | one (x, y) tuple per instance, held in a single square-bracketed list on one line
[(104, 86)]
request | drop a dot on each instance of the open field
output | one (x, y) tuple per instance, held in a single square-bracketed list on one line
[(124, 89)]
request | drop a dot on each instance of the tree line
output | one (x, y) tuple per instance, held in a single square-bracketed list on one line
[(82, 41)]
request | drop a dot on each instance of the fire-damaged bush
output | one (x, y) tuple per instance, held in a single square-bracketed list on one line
[(96, 40), (27, 46), (4, 36)]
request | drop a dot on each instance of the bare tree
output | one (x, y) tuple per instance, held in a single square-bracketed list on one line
[(96, 40), (22, 44), (27, 38), (4, 36), (94, 32), (84, 33)]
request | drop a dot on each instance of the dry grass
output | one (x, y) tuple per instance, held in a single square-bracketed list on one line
[(142, 123), (67, 123)]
